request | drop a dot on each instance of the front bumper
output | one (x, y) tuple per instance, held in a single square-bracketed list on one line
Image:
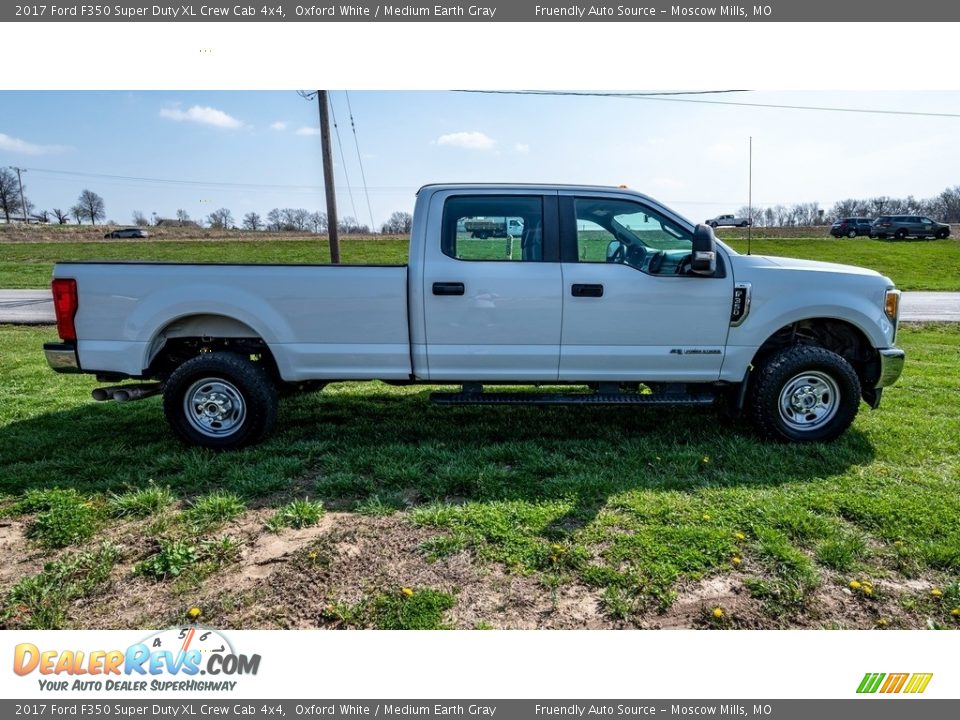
[(891, 366), (62, 357)]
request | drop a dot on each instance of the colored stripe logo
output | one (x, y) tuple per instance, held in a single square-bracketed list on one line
[(884, 683)]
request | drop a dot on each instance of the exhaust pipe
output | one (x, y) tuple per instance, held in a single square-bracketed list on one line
[(126, 393)]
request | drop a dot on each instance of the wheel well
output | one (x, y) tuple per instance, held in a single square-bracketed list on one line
[(188, 337), (846, 340)]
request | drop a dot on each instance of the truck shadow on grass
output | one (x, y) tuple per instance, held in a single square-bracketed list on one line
[(363, 446)]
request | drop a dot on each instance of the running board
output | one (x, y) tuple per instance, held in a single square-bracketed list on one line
[(515, 398)]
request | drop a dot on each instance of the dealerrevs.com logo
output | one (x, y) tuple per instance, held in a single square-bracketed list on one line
[(172, 659), (910, 683)]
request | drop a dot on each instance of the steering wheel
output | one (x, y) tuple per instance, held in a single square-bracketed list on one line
[(636, 255), (619, 255)]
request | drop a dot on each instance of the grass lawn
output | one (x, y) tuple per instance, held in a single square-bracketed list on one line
[(369, 507), (913, 265)]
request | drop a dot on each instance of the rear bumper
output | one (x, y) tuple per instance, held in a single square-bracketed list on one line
[(62, 357), (891, 366)]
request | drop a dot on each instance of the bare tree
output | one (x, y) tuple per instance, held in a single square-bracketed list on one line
[(62, 216), (183, 216), (274, 220), (9, 193), (91, 206), (139, 219), (301, 219), (221, 218), (318, 221), (252, 221), (398, 223), (43, 216), (77, 213)]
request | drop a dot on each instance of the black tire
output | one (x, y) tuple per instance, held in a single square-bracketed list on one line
[(851, 233), (713, 225), (943, 234), (242, 390), (816, 373), (900, 234)]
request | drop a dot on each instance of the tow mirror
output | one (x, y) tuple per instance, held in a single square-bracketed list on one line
[(703, 258)]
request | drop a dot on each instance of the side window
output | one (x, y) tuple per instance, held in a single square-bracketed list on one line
[(621, 231), (490, 227)]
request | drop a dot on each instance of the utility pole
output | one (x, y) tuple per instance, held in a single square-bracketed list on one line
[(23, 203), (332, 228), (750, 198)]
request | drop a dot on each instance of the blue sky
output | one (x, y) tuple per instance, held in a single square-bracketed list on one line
[(691, 156)]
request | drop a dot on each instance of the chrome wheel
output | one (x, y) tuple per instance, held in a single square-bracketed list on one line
[(214, 407), (809, 400)]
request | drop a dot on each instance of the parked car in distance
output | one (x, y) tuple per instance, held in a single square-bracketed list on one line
[(728, 221), (851, 227), (904, 226), (130, 232)]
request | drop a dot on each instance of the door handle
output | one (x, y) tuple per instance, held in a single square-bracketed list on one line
[(448, 288), (587, 291)]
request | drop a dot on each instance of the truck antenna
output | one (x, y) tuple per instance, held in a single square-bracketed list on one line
[(750, 198)]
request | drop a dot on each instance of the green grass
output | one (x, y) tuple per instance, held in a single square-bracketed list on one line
[(39, 602), (140, 503), (415, 609), (913, 265), (296, 514), (634, 503), (28, 265)]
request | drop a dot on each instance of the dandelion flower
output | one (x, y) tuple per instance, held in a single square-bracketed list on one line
[(867, 590), (407, 592), (194, 612), (558, 548), (718, 612), (739, 536), (955, 612), (936, 592), (883, 622), (898, 542), (736, 560), (854, 584), (706, 516)]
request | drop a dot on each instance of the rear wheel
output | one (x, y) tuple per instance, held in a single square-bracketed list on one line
[(900, 234), (804, 393), (943, 234), (220, 401), (851, 233)]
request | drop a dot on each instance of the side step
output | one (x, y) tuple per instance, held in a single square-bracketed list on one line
[(598, 398)]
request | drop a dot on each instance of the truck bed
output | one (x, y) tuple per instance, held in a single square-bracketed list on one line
[(320, 321)]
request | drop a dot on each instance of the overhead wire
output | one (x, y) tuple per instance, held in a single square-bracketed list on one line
[(363, 176), (343, 159)]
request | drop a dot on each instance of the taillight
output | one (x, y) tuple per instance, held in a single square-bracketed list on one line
[(65, 306)]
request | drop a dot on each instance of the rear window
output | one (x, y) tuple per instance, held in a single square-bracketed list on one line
[(493, 227)]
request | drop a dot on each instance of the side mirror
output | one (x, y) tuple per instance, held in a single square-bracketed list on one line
[(703, 258)]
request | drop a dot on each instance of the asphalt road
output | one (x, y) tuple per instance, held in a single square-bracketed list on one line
[(35, 307)]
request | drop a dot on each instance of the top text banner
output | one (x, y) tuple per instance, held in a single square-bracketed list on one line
[(490, 11)]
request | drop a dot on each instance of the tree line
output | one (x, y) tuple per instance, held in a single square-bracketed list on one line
[(944, 207)]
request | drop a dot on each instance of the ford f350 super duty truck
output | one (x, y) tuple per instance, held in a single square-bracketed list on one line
[(607, 292)]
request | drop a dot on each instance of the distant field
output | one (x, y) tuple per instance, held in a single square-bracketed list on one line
[(913, 265)]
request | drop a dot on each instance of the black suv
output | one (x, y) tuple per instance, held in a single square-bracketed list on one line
[(903, 226), (851, 227)]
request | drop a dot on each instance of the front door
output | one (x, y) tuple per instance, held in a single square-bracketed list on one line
[(492, 289), (631, 308)]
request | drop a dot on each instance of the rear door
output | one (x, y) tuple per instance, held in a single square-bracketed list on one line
[(492, 306), (631, 311)]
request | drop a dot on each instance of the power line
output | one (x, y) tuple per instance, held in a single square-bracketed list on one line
[(343, 159), (658, 97), (363, 176)]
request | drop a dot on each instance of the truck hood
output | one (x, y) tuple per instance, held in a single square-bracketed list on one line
[(748, 262)]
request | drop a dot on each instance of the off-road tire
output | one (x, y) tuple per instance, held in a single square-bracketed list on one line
[(781, 369), (250, 380)]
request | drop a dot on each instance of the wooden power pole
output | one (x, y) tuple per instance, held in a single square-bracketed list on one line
[(332, 228)]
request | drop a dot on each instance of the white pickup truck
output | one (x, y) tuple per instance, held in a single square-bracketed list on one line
[(607, 297)]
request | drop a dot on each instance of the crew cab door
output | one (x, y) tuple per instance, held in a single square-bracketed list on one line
[(631, 308), (492, 306)]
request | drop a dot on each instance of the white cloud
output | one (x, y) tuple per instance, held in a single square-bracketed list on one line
[(308, 131), (471, 140), (202, 116), (16, 145), (279, 125), (521, 148)]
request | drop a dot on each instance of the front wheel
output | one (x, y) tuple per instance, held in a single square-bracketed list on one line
[(221, 401), (851, 233), (804, 393)]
